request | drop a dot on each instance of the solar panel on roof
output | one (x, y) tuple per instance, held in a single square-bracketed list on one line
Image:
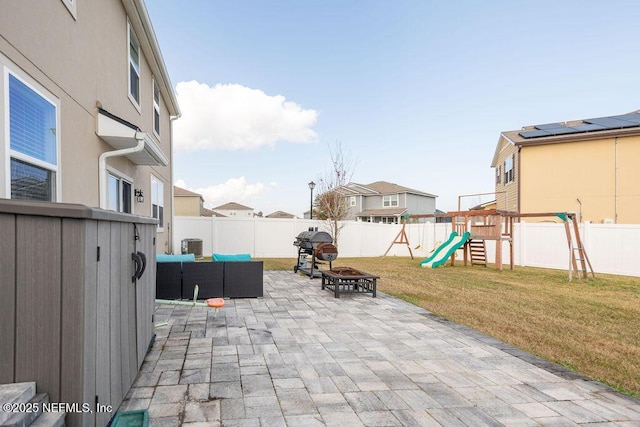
[(599, 123), (534, 134), (588, 127), (632, 117), (611, 123), (563, 131), (549, 126)]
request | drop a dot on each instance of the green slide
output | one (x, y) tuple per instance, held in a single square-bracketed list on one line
[(445, 250)]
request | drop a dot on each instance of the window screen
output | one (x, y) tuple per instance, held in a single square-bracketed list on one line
[(30, 182)]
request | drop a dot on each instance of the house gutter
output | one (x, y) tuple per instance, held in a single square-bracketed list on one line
[(102, 165)]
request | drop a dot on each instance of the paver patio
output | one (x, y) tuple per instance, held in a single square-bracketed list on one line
[(300, 357)]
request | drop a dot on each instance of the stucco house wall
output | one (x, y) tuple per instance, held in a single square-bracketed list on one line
[(187, 206), (79, 60), (602, 174), (593, 173)]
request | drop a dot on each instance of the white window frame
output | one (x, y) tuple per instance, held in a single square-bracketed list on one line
[(156, 107), (508, 173), (137, 67), (499, 174), (121, 178), (71, 6), (389, 199), (157, 198), (6, 153), (352, 201)]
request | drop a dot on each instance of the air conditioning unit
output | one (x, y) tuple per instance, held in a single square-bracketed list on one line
[(192, 246)]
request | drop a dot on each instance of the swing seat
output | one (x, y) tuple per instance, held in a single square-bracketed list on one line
[(215, 302)]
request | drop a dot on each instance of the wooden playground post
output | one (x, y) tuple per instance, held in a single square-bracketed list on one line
[(400, 239)]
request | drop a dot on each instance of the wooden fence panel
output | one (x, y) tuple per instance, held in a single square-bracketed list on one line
[(7, 302), (90, 324), (103, 326), (115, 286), (72, 245), (145, 290), (38, 302)]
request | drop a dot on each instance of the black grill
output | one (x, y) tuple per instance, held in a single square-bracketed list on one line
[(318, 244), (307, 239)]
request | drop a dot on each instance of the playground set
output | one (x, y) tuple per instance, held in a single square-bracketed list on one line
[(471, 229)]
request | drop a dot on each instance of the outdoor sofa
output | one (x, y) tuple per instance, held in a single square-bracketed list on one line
[(227, 276)]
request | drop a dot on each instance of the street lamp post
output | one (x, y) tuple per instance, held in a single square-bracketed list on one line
[(312, 185)]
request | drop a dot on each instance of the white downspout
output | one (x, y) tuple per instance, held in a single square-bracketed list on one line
[(102, 165)]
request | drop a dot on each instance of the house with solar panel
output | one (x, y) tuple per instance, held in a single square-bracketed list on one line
[(588, 166)]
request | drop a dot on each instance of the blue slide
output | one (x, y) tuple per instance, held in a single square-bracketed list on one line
[(445, 250)]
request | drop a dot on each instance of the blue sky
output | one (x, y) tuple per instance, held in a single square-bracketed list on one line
[(416, 92)]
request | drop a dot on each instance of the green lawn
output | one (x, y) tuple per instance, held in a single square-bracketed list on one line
[(591, 326)]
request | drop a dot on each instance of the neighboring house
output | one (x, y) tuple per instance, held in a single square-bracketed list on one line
[(442, 219), (86, 107), (187, 203), (280, 214), (486, 206), (234, 210), (386, 202), (210, 213), (586, 166)]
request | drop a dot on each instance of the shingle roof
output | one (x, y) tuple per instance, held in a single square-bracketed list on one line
[(383, 187), (209, 212), (280, 214), (181, 192), (233, 206), (575, 130)]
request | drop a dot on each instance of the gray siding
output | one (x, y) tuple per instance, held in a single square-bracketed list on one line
[(420, 204)]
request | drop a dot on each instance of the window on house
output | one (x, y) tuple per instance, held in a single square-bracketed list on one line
[(352, 201), (390, 200), (33, 143), (134, 67), (508, 169), (119, 194), (498, 174), (157, 201), (156, 109)]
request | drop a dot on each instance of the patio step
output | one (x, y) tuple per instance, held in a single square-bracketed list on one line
[(26, 418), (15, 393), (25, 393)]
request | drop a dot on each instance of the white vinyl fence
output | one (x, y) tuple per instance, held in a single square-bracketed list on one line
[(612, 248)]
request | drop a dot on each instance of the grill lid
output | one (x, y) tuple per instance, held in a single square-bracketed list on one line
[(315, 237)]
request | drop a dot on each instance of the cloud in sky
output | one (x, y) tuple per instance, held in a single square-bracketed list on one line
[(234, 190), (235, 117)]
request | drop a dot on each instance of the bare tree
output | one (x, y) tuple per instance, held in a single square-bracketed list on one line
[(331, 204)]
